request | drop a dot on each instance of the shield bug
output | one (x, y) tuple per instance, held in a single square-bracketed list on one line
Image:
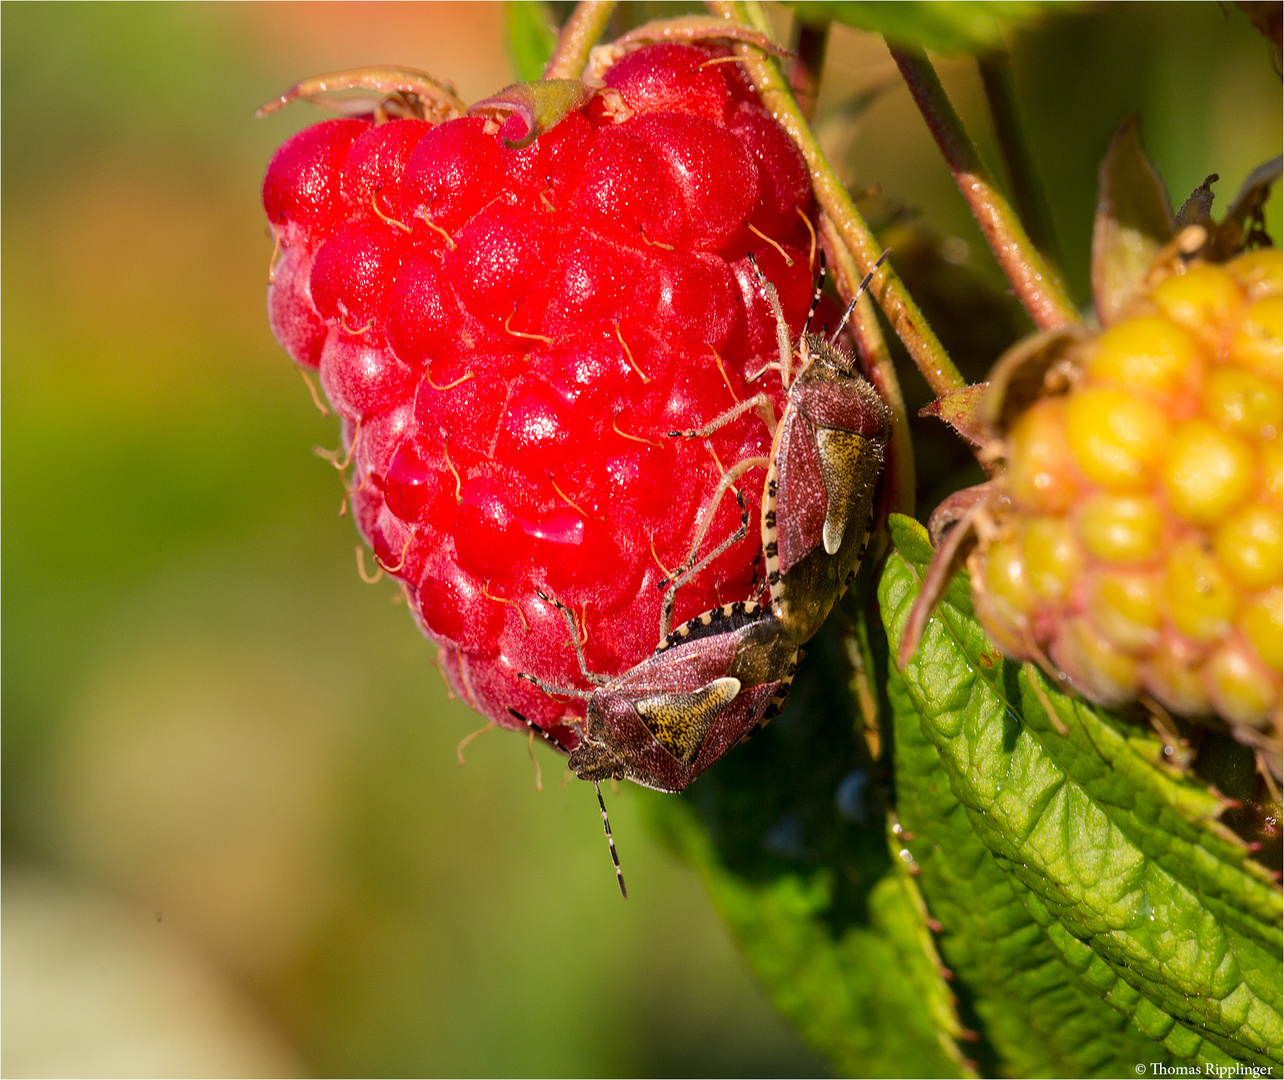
[(711, 683), (826, 459)]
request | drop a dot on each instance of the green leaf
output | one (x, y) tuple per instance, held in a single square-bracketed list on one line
[(531, 35), (1121, 862), (788, 833), (941, 25), (1034, 1008)]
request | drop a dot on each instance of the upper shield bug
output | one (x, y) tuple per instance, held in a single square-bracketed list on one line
[(712, 682), (826, 459)]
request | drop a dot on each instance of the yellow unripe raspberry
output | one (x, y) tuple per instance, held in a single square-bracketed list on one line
[(1202, 601), (1147, 355), (1127, 608), (1242, 402), (1250, 546), (1202, 299), (1052, 557), (1208, 472), (1176, 683), (1120, 528), (1116, 439), (1270, 470), (1240, 688), (1260, 272), (1005, 582), (1041, 475), (1256, 343), (1263, 626), (1136, 537), (1098, 669)]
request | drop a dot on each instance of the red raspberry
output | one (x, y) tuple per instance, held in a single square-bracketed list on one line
[(510, 335)]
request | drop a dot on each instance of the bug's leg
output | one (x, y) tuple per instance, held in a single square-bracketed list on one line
[(693, 564), (761, 402), (773, 366), (783, 344), (553, 688), (577, 643)]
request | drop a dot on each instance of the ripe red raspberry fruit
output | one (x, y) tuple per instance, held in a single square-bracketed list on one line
[(510, 335)]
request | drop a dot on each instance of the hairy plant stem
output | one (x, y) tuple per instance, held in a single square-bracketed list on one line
[(898, 482), (902, 313), (577, 37), (1027, 192), (1036, 286)]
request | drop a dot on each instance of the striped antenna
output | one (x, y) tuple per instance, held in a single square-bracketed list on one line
[(606, 821), (610, 841), (815, 294), (539, 731), (860, 289)]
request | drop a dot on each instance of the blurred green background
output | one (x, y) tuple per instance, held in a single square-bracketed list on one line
[(236, 838)]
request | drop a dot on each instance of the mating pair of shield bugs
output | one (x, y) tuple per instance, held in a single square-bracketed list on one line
[(719, 677)]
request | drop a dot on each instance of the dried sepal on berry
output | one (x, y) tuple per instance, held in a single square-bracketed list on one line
[(1133, 222), (683, 30), (387, 92)]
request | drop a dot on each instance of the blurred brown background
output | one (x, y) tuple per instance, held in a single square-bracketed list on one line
[(236, 839)]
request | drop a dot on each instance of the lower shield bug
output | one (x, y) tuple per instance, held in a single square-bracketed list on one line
[(711, 683)]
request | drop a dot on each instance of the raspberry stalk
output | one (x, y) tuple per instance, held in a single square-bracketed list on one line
[(904, 315)]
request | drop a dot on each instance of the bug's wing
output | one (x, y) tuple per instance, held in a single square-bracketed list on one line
[(680, 722), (734, 723), (801, 499), (850, 426), (682, 668), (636, 752), (849, 466), (656, 714)]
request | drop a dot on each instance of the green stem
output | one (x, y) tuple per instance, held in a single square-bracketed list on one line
[(1027, 193), (898, 482), (577, 37), (1038, 289), (902, 313)]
